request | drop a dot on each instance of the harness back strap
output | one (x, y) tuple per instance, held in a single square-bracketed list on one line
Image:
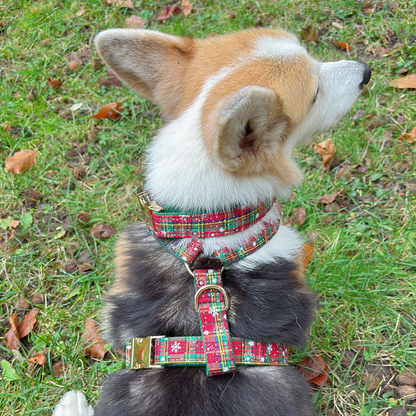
[(210, 302)]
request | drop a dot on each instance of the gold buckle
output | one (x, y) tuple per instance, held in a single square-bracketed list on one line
[(141, 353), (206, 287), (146, 206)]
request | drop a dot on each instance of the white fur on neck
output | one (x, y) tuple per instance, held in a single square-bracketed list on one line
[(181, 174)]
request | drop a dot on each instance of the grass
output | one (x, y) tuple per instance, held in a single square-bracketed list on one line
[(364, 266)]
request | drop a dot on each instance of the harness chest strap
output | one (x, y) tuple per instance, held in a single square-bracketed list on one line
[(156, 352)]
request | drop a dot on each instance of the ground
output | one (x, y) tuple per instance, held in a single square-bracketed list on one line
[(88, 171)]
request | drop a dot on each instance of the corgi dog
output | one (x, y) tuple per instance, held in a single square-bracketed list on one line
[(237, 105)]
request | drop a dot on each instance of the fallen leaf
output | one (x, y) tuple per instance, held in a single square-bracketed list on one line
[(314, 369), (367, 8), (38, 358), (327, 199), (18, 330), (408, 81), (121, 3), (186, 8), (168, 12), (343, 45), (102, 231), (91, 336), (8, 372), (299, 216), (310, 34), (135, 22), (58, 369), (409, 137), (307, 251), (54, 83), (74, 65), (327, 150), (111, 111), (21, 161), (6, 127), (380, 52), (112, 79)]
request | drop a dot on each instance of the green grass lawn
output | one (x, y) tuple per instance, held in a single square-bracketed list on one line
[(364, 266)]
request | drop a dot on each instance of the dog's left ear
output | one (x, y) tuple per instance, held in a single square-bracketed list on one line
[(149, 62), (250, 128)]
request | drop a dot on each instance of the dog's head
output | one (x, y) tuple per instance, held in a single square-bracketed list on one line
[(254, 95)]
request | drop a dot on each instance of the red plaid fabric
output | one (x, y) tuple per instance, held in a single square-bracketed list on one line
[(216, 224), (213, 321), (183, 351)]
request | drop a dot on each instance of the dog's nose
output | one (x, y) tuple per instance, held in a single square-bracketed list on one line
[(366, 74)]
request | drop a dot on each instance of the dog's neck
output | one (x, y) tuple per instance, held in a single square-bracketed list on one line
[(181, 174)]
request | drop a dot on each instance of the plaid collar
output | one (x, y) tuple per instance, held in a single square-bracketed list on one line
[(167, 225)]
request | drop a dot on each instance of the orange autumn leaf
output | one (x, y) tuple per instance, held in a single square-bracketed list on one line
[(307, 251), (343, 45), (18, 330), (168, 12), (409, 137), (327, 150), (21, 161), (54, 83), (121, 3), (186, 8), (38, 358), (408, 81), (111, 111), (135, 22), (310, 34), (314, 369), (92, 337)]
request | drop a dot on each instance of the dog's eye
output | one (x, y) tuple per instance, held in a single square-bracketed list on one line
[(316, 94)]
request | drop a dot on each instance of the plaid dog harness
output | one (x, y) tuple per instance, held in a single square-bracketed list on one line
[(215, 348)]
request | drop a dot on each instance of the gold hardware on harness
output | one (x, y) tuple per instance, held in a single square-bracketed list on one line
[(141, 353), (147, 205), (207, 287)]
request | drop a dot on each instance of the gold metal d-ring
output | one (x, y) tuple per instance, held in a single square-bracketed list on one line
[(207, 287)]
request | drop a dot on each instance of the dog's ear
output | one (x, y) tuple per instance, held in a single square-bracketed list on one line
[(250, 129), (149, 62)]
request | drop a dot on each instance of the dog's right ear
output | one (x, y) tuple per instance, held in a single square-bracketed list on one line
[(149, 62)]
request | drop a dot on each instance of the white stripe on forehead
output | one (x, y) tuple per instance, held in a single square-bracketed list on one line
[(272, 47)]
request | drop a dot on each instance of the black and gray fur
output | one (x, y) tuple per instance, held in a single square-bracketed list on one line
[(153, 295)]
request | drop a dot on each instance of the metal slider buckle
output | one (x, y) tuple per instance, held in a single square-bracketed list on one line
[(141, 353), (147, 205)]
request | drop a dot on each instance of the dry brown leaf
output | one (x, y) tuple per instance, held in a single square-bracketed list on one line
[(54, 83), (186, 8), (327, 199), (168, 12), (91, 336), (21, 161), (121, 3), (327, 150), (111, 111), (6, 127), (367, 8), (102, 231), (409, 137), (38, 358), (310, 34), (343, 45), (18, 330), (308, 251), (314, 369), (299, 216), (135, 22), (408, 81)]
